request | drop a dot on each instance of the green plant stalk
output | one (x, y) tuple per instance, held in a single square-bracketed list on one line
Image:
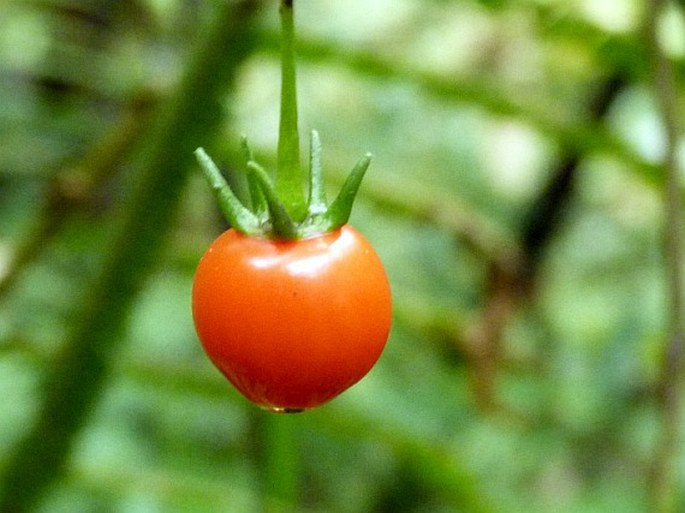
[(280, 463), (665, 486), (75, 380), (289, 180), (278, 208)]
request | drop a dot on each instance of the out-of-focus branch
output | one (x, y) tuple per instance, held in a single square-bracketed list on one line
[(486, 93), (75, 380), (73, 188), (509, 286), (665, 489), (548, 210)]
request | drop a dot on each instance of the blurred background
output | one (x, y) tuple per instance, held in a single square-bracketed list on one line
[(515, 196)]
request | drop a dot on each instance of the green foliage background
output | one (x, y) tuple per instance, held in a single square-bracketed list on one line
[(514, 196)]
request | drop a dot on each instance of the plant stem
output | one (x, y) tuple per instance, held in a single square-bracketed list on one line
[(289, 180), (665, 489), (280, 462)]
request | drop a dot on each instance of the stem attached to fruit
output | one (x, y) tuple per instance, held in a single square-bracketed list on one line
[(279, 207), (289, 182)]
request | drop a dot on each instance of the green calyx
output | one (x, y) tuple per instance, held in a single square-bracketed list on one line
[(277, 206), (267, 215)]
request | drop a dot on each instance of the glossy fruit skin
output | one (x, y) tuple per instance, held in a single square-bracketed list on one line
[(292, 324)]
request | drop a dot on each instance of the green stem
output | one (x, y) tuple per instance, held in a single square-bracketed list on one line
[(280, 462), (666, 488), (289, 181)]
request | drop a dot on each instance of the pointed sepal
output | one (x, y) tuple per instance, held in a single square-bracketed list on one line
[(259, 206), (339, 211), (237, 215), (282, 225), (317, 203)]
